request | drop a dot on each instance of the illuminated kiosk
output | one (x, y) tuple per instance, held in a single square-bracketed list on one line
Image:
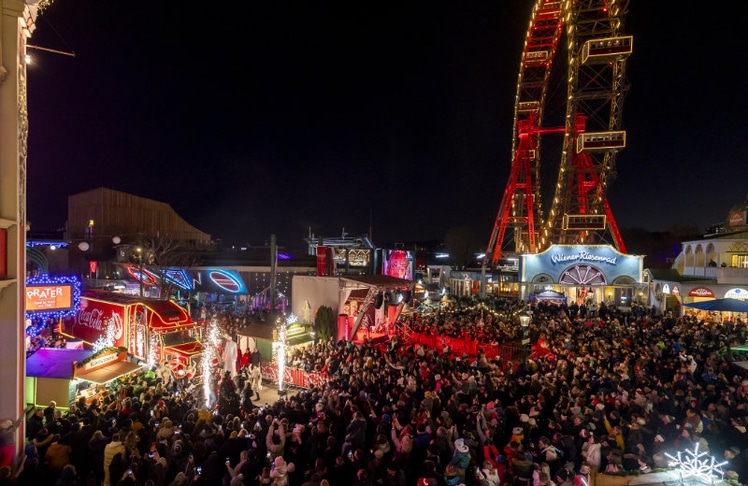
[(587, 275), (64, 374)]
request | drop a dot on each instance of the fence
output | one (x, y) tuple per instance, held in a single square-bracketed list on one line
[(294, 376), (469, 347), (297, 377)]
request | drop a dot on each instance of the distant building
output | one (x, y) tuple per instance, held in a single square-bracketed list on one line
[(102, 219), (715, 266)]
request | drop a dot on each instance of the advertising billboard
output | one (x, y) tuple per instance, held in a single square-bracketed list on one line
[(52, 296), (398, 263)]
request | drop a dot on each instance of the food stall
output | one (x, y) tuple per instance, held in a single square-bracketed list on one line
[(63, 375)]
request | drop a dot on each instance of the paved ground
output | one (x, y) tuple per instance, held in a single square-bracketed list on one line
[(269, 393)]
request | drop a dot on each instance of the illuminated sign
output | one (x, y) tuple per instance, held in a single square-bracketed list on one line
[(700, 292), (665, 289), (100, 361), (179, 278), (97, 319), (52, 296), (359, 258), (580, 265), (583, 256), (226, 281), (737, 218), (736, 293)]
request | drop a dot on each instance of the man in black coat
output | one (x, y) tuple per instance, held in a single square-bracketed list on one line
[(34, 424)]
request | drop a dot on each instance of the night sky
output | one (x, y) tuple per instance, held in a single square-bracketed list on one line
[(254, 118)]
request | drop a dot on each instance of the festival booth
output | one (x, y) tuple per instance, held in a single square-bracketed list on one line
[(63, 375), (263, 336), (371, 303)]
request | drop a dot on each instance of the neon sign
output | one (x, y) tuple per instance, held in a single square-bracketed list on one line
[(178, 278), (52, 296), (583, 256), (701, 292), (226, 281)]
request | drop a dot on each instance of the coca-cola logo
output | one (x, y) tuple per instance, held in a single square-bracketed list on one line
[(95, 319)]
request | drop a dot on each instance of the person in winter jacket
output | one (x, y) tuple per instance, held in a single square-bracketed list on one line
[(280, 470), (275, 440)]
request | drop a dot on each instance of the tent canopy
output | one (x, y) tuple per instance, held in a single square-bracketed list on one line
[(724, 305)]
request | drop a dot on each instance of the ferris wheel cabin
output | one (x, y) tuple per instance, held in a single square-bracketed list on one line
[(605, 50)]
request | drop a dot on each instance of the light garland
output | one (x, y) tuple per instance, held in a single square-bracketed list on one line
[(45, 280), (694, 464), (152, 348), (209, 354), (106, 340), (140, 341)]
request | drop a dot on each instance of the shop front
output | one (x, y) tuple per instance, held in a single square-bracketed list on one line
[(587, 275)]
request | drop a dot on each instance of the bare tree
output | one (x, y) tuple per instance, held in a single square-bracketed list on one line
[(161, 254)]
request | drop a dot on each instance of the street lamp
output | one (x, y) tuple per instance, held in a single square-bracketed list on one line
[(524, 322)]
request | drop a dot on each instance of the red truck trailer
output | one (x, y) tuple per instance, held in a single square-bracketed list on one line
[(148, 328)]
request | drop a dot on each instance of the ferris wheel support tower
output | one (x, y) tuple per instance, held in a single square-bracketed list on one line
[(589, 34)]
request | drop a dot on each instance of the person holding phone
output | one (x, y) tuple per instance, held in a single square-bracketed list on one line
[(190, 469), (275, 440), (236, 470)]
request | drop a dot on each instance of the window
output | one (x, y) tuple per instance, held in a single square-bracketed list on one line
[(739, 261)]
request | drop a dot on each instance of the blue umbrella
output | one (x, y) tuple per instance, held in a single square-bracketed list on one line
[(724, 305)]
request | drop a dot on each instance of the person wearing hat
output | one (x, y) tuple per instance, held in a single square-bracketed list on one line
[(280, 470), (460, 458), (737, 464), (7, 440)]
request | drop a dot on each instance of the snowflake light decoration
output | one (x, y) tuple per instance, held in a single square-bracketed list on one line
[(106, 341), (695, 464)]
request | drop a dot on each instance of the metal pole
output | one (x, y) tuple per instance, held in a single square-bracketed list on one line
[(140, 273), (273, 261)]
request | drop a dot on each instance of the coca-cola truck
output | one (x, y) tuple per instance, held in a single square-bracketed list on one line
[(158, 331)]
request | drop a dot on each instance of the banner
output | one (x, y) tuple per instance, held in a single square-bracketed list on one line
[(322, 261)]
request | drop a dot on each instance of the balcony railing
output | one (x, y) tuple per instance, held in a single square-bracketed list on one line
[(723, 275)]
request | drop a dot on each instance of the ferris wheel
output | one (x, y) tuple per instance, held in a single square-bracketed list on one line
[(580, 111)]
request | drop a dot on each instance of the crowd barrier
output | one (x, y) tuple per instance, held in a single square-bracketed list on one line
[(468, 347), (294, 376), (297, 377)]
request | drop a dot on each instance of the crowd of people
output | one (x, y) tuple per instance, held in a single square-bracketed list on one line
[(614, 393)]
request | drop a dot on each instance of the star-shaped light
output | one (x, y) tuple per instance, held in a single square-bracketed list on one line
[(699, 465)]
